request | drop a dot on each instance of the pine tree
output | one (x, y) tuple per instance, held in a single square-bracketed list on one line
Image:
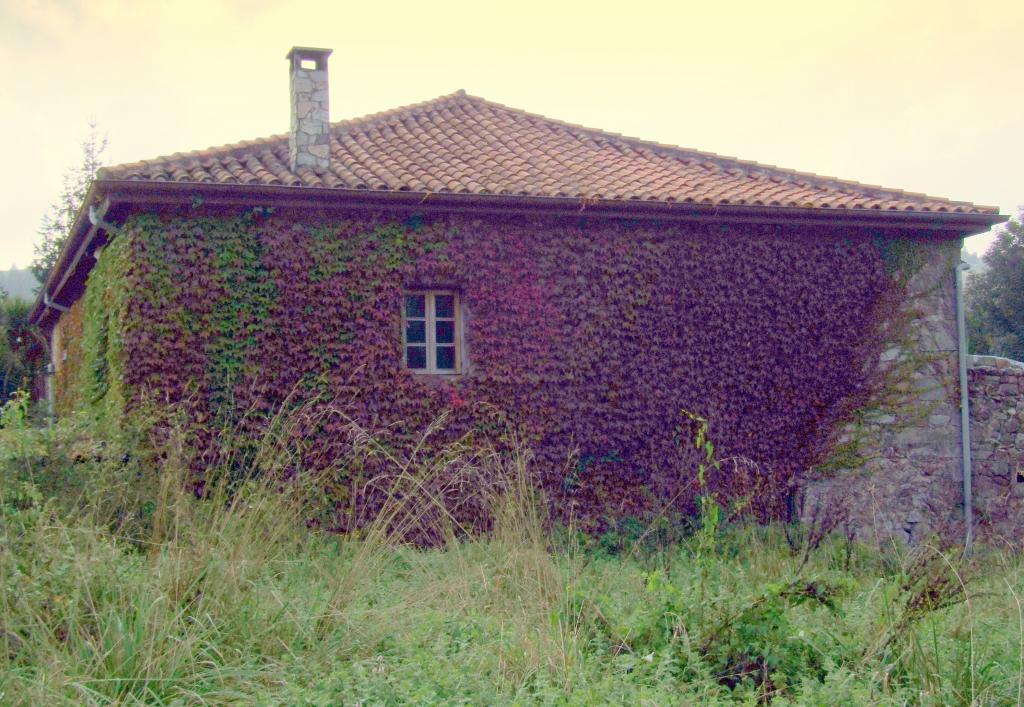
[(55, 227)]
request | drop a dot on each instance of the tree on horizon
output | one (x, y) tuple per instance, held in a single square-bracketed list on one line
[(995, 297), (55, 226)]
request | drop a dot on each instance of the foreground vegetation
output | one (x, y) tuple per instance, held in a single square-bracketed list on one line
[(120, 586)]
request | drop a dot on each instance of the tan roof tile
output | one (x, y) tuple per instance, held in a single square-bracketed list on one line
[(467, 145)]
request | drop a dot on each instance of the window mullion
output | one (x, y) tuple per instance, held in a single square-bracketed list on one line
[(457, 331), (431, 317)]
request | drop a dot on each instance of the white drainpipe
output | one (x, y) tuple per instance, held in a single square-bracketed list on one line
[(965, 410)]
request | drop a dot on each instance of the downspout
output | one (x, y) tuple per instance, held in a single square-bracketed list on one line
[(53, 305), (48, 377), (965, 410), (49, 370)]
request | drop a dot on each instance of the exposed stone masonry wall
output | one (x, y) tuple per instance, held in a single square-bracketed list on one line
[(997, 446), (906, 481)]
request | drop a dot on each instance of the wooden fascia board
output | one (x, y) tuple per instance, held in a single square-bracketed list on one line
[(140, 192)]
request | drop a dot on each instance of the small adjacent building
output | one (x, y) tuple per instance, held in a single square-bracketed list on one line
[(462, 257)]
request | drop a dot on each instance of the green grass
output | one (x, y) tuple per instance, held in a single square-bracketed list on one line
[(118, 586)]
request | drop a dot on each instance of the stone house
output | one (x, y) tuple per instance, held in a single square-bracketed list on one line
[(461, 255)]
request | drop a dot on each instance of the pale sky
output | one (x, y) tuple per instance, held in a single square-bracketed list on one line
[(919, 95)]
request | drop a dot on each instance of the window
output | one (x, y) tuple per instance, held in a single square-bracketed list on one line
[(431, 332)]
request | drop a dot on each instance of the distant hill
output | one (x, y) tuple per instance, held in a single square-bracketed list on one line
[(19, 283)]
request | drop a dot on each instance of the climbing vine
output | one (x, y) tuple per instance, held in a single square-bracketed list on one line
[(91, 375), (590, 335)]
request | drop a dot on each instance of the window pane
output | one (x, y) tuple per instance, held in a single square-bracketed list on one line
[(444, 306), (415, 306), (446, 358), (416, 356), (445, 332), (416, 331)]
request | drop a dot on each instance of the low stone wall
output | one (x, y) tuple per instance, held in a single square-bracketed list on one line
[(911, 485), (997, 446)]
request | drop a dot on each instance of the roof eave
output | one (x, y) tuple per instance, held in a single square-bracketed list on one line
[(146, 193), (81, 232), (156, 192)]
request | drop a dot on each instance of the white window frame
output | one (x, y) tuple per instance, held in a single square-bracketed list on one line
[(430, 319)]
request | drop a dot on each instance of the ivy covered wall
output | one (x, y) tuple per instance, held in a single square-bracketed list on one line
[(88, 351), (593, 336), (67, 356)]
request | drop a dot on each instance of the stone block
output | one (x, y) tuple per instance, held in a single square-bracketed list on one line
[(891, 354), (932, 394), (942, 340), (301, 84), (321, 151), (999, 483), (945, 443), (908, 439), (925, 448), (982, 361), (880, 418)]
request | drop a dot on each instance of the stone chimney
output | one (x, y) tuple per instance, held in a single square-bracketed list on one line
[(309, 137)]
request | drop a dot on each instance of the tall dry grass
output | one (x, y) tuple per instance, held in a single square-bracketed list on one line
[(139, 585), (123, 581)]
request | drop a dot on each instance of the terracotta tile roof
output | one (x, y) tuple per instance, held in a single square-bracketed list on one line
[(461, 144)]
